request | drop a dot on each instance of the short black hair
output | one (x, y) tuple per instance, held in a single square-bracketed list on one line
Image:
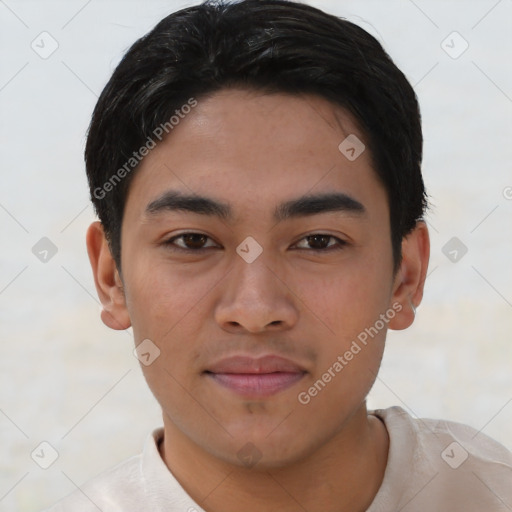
[(265, 45)]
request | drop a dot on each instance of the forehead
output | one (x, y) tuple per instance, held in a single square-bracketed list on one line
[(252, 149)]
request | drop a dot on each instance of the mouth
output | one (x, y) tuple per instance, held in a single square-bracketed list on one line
[(255, 378)]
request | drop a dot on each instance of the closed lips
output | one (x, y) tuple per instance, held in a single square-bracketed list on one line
[(256, 378), (251, 365)]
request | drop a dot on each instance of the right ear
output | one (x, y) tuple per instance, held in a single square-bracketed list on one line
[(107, 279)]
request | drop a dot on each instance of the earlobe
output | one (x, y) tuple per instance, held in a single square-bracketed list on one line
[(410, 278), (109, 286)]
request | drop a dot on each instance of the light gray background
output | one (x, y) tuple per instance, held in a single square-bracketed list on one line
[(68, 380)]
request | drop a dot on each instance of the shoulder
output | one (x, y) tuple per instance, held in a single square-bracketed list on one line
[(142, 482), (464, 442), (122, 482), (436, 463)]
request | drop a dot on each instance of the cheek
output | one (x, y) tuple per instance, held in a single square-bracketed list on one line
[(350, 303), (164, 305), (348, 298), (160, 297)]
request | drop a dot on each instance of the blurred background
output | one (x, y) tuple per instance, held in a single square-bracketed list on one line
[(67, 380)]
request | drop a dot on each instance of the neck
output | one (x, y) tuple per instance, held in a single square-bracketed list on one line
[(344, 474)]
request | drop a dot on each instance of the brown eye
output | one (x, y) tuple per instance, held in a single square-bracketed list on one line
[(321, 242), (194, 240), (189, 242), (318, 241)]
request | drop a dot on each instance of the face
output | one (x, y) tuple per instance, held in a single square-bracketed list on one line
[(269, 298)]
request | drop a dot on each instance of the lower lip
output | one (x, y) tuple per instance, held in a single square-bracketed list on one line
[(257, 385)]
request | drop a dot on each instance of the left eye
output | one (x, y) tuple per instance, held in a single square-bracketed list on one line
[(198, 241), (320, 242)]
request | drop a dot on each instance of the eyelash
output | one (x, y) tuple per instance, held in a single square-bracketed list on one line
[(340, 244)]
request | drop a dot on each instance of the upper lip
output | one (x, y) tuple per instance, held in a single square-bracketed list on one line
[(259, 365)]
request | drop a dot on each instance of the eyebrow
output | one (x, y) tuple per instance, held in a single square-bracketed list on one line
[(303, 206)]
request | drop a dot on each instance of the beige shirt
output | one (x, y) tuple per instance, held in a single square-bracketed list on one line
[(433, 465)]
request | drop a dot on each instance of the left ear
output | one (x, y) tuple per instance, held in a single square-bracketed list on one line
[(410, 277)]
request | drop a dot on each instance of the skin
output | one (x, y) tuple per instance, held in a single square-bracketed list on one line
[(255, 151)]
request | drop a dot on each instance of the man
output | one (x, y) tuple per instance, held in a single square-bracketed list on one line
[(256, 169)]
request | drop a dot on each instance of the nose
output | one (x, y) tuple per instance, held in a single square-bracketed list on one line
[(255, 298)]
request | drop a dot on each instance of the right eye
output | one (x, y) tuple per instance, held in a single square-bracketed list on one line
[(192, 242)]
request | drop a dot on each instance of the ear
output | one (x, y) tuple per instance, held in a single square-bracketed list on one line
[(108, 282), (410, 277)]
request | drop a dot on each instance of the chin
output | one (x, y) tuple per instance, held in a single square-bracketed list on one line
[(259, 451)]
